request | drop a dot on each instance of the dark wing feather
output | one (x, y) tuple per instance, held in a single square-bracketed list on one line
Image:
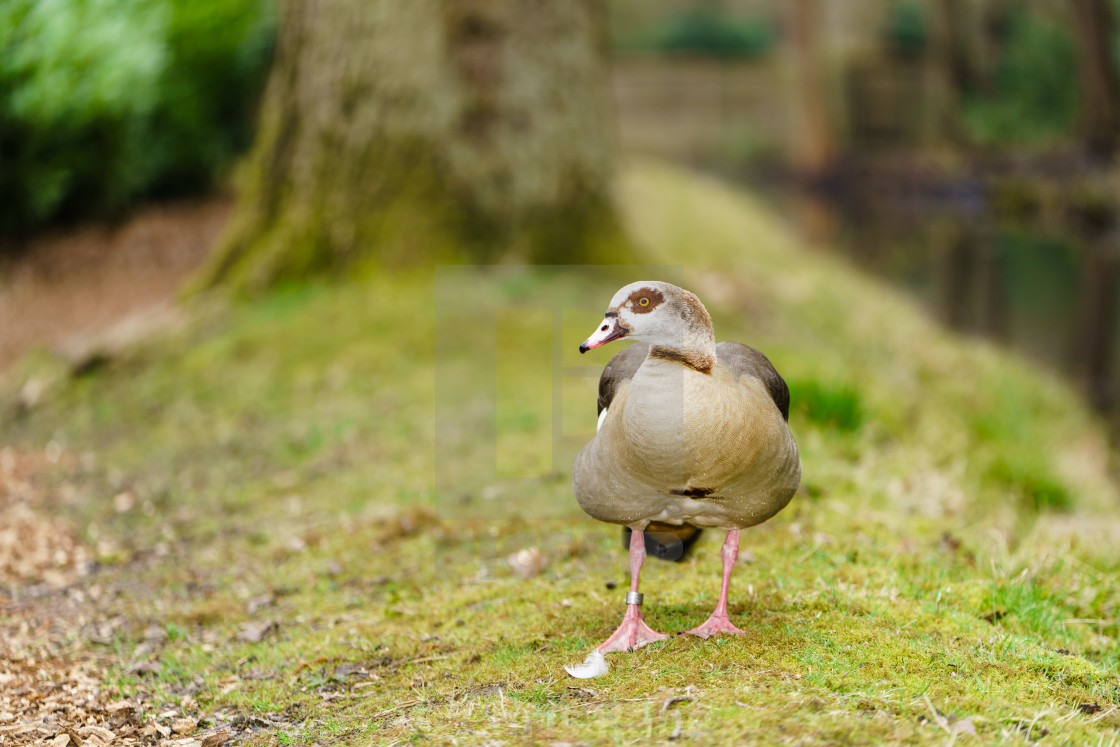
[(620, 368), (743, 360)]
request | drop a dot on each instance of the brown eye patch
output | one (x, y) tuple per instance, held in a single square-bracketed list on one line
[(645, 300)]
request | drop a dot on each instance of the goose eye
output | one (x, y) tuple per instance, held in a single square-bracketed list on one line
[(643, 302)]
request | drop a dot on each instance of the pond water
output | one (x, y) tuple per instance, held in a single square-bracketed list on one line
[(1043, 289), (1039, 284)]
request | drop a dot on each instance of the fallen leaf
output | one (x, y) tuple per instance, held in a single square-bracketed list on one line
[(258, 674), (146, 667), (99, 732), (255, 632), (408, 524), (259, 602), (526, 563), (123, 502), (217, 739), (964, 726), (155, 634), (949, 542), (183, 725)]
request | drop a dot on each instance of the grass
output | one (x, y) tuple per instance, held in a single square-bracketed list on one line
[(314, 459)]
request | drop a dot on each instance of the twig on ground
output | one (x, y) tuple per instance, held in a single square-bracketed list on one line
[(670, 702), (406, 704)]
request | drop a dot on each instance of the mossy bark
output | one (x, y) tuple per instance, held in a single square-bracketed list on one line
[(399, 131)]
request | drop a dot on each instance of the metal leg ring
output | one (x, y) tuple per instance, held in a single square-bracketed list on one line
[(634, 597)]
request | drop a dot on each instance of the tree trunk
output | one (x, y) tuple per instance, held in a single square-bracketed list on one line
[(1098, 317), (956, 68), (817, 149), (439, 130), (1100, 87), (955, 21), (956, 277)]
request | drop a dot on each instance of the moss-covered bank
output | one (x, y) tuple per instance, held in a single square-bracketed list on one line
[(949, 566)]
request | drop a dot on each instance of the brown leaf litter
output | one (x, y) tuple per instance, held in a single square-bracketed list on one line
[(35, 546), (256, 631), (52, 694), (52, 668)]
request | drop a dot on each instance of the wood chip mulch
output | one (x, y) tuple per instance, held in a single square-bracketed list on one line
[(53, 687)]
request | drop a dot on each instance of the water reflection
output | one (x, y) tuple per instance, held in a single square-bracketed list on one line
[(1047, 289)]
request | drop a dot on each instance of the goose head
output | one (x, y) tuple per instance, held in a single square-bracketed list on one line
[(657, 313)]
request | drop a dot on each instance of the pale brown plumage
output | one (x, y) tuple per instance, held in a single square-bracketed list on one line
[(688, 444), (690, 433), (671, 431)]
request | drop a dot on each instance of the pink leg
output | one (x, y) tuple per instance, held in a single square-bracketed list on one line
[(718, 622), (633, 633)]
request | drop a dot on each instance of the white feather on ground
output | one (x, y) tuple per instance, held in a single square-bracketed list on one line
[(594, 665)]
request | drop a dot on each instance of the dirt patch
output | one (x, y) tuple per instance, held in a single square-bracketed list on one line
[(75, 283)]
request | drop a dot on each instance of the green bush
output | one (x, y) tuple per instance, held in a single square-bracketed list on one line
[(1034, 82), (103, 102), (906, 30), (705, 30)]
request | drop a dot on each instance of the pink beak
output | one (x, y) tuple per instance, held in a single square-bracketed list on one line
[(610, 329)]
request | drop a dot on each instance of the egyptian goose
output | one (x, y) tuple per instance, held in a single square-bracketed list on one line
[(689, 433)]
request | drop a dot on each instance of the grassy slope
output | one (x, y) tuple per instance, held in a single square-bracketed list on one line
[(951, 554)]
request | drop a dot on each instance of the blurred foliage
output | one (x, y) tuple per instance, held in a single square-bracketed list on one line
[(106, 101), (705, 30), (1034, 84), (827, 404), (1034, 486), (907, 32)]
